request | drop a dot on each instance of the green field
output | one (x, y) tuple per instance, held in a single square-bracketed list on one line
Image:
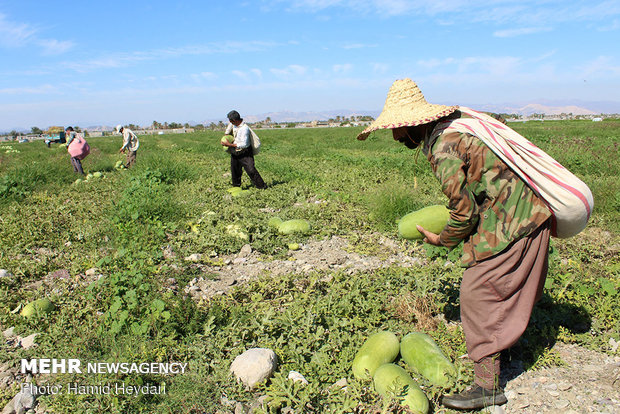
[(175, 197)]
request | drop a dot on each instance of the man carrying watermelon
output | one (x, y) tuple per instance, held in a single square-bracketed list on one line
[(504, 224), (241, 151)]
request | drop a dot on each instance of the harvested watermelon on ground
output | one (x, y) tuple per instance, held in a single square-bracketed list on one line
[(392, 381), (380, 348), (422, 354)]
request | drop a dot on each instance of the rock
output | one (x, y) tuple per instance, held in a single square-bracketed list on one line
[(297, 377), (193, 257), (91, 272), (9, 332), (245, 251), (168, 252), (61, 274), (28, 342), (564, 386), (258, 404), (254, 366), (21, 403), (511, 395), (5, 273), (6, 379), (341, 383), (496, 409)]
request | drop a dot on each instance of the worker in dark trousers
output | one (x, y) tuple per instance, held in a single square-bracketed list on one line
[(241, 151)]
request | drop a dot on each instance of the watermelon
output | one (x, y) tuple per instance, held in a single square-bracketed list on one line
[(39, 306), (294, 226), (392, 381), (379, 348), (422, 354), (431, 218)]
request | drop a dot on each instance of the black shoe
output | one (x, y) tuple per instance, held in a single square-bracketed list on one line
[(474, 398)]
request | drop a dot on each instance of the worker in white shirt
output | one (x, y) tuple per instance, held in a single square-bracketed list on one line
[(130, 144), (241, 152)]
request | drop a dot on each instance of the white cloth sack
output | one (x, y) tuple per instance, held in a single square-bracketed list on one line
[(255, 142), (569, 199)]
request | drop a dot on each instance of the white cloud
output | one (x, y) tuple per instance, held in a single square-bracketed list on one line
[(130, 58), (55, 47), (208, 75), (249, 75), (14, 34), (450, 12), (380, 68), (600, 67), (429, 63), (357, 46), (242, 75), (199, 77), (290, 70), (342, 68), (17, 35), (498, 66), (29, 90), (613, 26), (520, 31)]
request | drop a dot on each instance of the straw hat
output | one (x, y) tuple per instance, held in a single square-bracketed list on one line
[(405, 106)]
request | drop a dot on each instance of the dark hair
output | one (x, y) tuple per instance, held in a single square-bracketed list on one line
[(234, 116), (69, 129)]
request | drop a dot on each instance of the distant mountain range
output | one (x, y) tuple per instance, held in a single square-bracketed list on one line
[(530, 109)]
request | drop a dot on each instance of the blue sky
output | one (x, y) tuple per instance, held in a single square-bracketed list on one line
[(94, 63)]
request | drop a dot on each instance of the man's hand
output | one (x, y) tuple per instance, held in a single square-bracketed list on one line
[(430, 238), (122, 150)]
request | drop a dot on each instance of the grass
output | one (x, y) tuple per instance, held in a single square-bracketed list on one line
[(176, 197)]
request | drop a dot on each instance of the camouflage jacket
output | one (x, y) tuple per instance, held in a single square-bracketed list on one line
[(491, 206)]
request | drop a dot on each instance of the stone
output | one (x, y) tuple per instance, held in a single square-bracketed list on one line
[(21, 403), (297, 377), (5, 273), (341, 383), (511, 395), (254, 366), (193, 257), (496, 409), (9, 332), (564, 386), (91, 272), (61, 274), (28, 342), (245, 251)]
